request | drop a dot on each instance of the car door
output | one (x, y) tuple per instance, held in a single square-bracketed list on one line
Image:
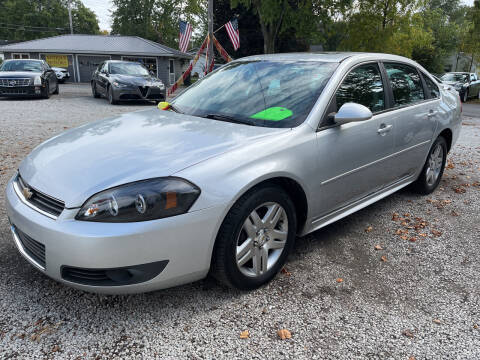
[(415, 114), (474, 86), (353, 158)]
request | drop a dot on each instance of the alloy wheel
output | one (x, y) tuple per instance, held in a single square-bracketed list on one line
[(262, 239), (435, 163)]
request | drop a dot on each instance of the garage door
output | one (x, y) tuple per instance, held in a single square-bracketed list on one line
[(88, 64)]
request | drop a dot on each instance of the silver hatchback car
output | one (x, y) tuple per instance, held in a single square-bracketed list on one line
[(262, 150)]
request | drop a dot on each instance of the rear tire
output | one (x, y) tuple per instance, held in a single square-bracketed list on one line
[(465, 96), (432, 171), (250, 249), (57, 90)]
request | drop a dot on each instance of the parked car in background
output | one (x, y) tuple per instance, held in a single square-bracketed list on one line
[(263, 149), (27, 78), (124, 81), (467, 84), (62, 74)]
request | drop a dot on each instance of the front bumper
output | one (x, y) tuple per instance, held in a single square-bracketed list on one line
[(182, 243), (21, 91), (135, 93)]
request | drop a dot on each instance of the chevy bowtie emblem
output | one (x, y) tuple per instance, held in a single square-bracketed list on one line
[(27, 193), (13, 83)]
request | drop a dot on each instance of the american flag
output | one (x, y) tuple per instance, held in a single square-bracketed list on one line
[(185, 34), (233, 33)]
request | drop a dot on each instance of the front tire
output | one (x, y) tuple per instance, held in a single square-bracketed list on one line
[(255, 238), (432, 171), (46, 94), (57, 90), (95, 93), (111, 99), (465, 96)]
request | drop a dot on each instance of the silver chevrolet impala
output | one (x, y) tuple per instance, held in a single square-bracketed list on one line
[(223, 180)]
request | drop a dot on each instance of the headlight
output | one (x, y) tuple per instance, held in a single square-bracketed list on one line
[(119, 84), (37, 81), (140, 201)]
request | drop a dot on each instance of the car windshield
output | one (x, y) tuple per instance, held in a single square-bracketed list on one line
[(134, 69), (454, 77), (261, 93), (21, 65)]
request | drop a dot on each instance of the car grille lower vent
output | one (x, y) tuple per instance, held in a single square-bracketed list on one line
[(39, 200), (32, 247)]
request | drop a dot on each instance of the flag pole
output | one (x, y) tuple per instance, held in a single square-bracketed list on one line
[(220, 28), (210, 32)]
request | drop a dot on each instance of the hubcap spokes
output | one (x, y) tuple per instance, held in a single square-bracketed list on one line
[(435, 162), (262, 239)]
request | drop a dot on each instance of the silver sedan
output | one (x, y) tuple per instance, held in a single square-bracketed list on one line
[(223, 180)]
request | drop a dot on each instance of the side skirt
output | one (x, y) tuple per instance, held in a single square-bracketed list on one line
[(357, 205)]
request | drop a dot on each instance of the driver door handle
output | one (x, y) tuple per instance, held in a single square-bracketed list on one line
[(384, 129), (432, 113)]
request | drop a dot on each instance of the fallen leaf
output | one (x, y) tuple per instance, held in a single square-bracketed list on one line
[(436, 232), (286, 272), (339, 280), (423, 235), (395, 216), (244, 334), (412, 239), (368, 229), (284, 334), (378, 247), (383, 258), (408, 333), (411, 358), (475, 326), (56, 348), (459, 190), (404, 237), (437, 321)]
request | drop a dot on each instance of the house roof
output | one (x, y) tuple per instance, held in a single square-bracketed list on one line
[(95, 44)]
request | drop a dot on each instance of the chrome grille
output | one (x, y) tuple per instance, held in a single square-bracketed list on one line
[(39, 201), (14, 82)]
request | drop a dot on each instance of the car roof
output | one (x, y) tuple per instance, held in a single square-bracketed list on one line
[(23, 60), (326, 56)]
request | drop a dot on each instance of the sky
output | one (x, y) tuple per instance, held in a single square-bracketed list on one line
[(102, 9)]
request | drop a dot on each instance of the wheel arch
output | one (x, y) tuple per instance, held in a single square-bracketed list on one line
[(447, 134)]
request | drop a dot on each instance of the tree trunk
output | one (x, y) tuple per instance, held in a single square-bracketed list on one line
[(269, 30)]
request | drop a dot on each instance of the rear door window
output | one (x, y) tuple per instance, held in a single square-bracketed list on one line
[(406, 84), (363, 85), (432, 88)]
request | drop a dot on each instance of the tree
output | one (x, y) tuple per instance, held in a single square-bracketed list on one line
[(156, 20), (33, 19)]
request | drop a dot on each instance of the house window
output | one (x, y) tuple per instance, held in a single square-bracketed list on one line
[(20, 56)]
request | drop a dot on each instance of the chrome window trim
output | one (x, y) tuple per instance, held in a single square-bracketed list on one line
[(22, 251), (30, 205)]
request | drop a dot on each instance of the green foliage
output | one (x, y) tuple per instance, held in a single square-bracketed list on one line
[(32, 19), (156, 20)]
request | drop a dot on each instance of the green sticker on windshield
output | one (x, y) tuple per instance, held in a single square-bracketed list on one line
[(275, 113)]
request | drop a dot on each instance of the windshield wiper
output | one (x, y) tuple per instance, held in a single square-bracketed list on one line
[(174, 108), (228, 119)]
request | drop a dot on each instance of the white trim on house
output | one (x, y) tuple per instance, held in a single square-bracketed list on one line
[(21, 55)]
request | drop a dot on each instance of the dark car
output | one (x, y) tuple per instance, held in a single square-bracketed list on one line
[(467, 84), (27, 78), (124, 81)]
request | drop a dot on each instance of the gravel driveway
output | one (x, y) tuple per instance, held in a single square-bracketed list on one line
[(397, 280)]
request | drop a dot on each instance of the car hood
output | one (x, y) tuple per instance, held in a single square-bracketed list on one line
[(81, 162), (134, 80), (19, 74)]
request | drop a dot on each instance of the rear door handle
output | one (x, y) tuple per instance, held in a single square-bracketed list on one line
[(384, 129), (432, 113)]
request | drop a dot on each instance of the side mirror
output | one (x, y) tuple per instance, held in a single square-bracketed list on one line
[(351, 112)]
